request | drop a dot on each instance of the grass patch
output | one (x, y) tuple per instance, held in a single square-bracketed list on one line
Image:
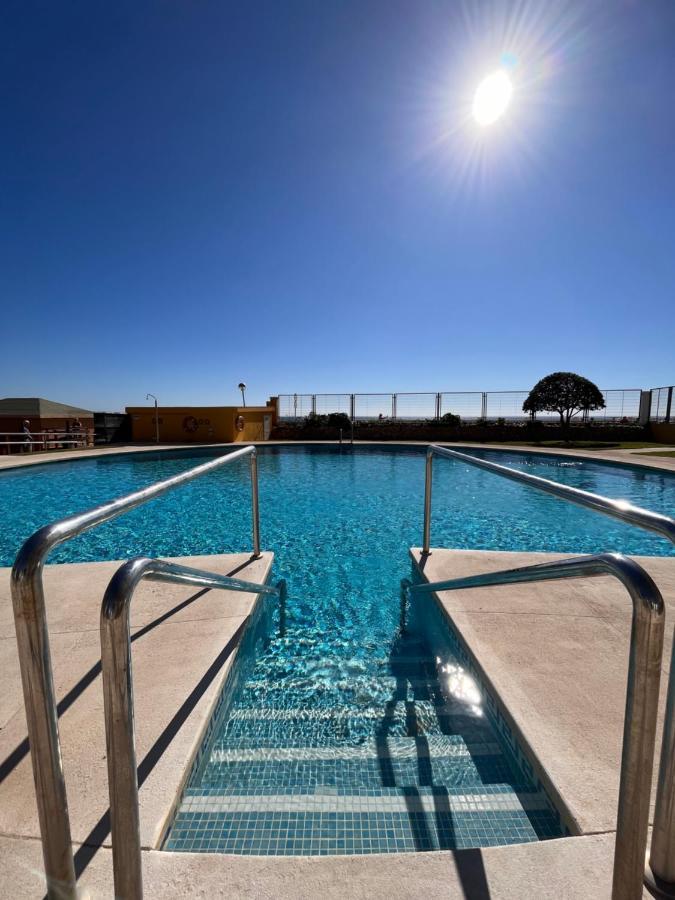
[(670, 453), (586, 445)]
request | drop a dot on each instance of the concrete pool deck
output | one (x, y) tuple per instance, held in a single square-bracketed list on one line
[(184, 643), (573, 723), (569, 869)]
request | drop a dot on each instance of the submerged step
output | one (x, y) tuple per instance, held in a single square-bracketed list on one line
[(329, 823), (364, 690), (399, 800), (436, 746), (320, 727), (372, 766), (374, 711)]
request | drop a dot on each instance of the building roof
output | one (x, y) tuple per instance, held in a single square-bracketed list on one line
[(38, 406)]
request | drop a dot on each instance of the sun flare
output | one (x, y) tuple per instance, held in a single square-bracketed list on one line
[(492, 98)]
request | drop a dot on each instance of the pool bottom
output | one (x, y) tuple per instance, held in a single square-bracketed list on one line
[(402, 757)]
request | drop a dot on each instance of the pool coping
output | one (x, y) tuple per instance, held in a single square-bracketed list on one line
[(569, 868), (625, 458)]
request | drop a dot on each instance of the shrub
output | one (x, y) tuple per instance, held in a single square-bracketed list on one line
[(450, 419)]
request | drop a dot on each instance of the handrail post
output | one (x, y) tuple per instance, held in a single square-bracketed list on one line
[(282, 587), (118, 701), (427, 502), (255, 508), (660, 871), (43, 728), (120, 739)]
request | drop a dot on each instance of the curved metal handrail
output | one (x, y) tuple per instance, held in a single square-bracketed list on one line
[(660, 873), (642, 695), (617, 509), (119, 701), (32, 636)]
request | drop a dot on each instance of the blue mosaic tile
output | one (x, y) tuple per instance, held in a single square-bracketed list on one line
[(411, 753)]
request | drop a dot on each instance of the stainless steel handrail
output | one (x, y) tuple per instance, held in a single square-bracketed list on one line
[(660, 871), (617, 509), (32, 636), (118, 696), (642, 695)]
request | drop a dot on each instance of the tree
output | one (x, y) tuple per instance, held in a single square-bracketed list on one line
[(565, 393)]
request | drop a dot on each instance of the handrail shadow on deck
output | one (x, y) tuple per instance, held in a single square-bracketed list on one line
[(12, 760)]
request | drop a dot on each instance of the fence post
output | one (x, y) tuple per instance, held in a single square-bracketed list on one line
[(669, 403), (438, 407), (483, 405), (313, 404), (645, 412), (393, 407), (351, 407)]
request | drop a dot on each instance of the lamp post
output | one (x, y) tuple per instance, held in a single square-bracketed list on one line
[(147, 397), (242, 388)]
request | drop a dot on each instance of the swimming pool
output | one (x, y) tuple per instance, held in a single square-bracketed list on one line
[(347, 505), (343, 735)]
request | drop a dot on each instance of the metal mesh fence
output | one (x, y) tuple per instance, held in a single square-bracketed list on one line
[(325, 404), (468, 405), (662, 408), (506, 405), (294, 406), (370, 407), (415, 407), (621, 405)]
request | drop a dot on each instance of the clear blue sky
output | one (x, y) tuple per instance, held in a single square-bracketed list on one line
[(292, 194)]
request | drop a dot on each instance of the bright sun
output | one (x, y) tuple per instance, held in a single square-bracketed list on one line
[(492, 97)]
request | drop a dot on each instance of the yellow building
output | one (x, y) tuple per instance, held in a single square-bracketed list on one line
[(202, 424)]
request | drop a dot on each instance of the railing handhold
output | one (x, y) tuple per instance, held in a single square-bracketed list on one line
[(642, 694)]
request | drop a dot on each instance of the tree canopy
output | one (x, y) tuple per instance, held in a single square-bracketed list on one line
[(565, 393)]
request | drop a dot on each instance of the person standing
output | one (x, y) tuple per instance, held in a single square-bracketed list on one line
[(76, 430), (27, 437)]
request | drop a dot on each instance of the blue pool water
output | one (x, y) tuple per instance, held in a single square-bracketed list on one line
[(342, 734)]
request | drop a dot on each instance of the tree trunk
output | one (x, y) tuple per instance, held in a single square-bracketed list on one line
[(565, 426)]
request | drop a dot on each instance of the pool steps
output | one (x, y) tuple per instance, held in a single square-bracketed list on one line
[(388, 772)]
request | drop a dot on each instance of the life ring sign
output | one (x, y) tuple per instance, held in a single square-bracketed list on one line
[(239, 423), (190, 424)]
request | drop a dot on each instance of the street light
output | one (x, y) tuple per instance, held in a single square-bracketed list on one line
[(242, 388), (147, 397)]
